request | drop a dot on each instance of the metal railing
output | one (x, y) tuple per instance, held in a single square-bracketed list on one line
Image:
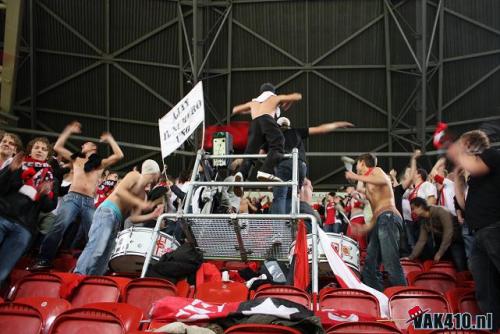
[(179, 216)]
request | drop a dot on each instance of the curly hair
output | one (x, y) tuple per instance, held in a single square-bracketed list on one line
[(44, 140)]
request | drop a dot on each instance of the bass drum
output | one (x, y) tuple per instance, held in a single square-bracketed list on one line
[(132, 246), (346, 247)]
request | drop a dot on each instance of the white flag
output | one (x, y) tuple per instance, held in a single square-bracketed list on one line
[(346, 277), (180, 122)]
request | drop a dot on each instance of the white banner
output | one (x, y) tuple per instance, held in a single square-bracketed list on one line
[(180, 122)]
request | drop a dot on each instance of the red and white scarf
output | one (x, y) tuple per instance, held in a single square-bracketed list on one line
[(34, 173)]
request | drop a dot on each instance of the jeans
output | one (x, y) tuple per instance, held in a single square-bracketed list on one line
[(72, 205), (14, 240), (468, 236), (332, 228), (485, 268), (264, 129), (384, 248), (282, 196), (412, 232), (96, 254)]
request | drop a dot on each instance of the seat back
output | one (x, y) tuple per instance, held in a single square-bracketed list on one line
[(363, 327), (438, 281), (221, 292), (87, 321), (49, 308), (402, 301), (40, 285), (467, 303), (260, 328), (287, 292), (350, 299), (20, 318), (93, 289), (130, 316), (142, 292)]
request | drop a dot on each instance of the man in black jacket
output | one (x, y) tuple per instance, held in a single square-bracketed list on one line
[(474, 154), (27, 187)]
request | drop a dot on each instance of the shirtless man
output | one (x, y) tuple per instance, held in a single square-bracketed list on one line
[(128, 198), (386, 223), (264, 129), (87, 168)]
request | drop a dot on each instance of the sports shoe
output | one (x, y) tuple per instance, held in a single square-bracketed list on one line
[(263, 176), (41, 265), (238, 190)]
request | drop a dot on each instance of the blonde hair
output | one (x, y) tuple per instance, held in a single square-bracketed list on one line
[(475, 142)]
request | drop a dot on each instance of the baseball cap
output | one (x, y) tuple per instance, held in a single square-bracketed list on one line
[(150, 167)]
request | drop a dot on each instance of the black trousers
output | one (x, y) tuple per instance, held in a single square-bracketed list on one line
[(485, 268), (264, 129)]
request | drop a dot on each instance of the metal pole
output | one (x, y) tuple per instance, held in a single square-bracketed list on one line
[(440, 64), (241, 156), (243, 216), (187, 199), (295, 181), (388, 83)]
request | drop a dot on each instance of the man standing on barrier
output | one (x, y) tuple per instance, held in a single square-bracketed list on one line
[(264, 129)]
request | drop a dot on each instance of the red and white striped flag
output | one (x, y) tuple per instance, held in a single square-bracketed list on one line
[(345, 277)]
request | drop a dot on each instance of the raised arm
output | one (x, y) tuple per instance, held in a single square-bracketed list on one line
[(242, 108), (286, 100), (117, 152), (460, 187), (413, 169), (328, 127), (70, 129)]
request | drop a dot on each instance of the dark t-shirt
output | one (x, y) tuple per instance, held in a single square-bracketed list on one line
[(399, 191), (482, 206), (294, 138)]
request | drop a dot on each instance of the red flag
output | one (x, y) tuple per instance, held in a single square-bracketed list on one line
[(239, 131), (441, 138), (301, 277)]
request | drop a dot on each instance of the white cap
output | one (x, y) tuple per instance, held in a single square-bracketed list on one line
[(283, 121), (150, 167)]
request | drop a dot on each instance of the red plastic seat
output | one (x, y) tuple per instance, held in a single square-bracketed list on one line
[(20, 318), (402, 299), (411, 330), (290, 293), (142, 292), (260, 328), (443, 267), (350, 299), (363, 327), (87, 320), (129, 315), (49, 308), (40, 285), (438, 281), (409, 266), (464, 276), (96, 289), (221, 292)]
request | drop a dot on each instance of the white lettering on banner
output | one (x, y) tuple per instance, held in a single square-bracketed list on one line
[(180, 122)]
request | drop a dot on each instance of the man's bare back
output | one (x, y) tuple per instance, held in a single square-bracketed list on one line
[(269, 106), (129, 184)]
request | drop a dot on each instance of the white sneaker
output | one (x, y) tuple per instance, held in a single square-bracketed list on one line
[(238, 190), (263, 176)]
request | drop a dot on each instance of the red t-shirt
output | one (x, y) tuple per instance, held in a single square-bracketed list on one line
[(330, 214)]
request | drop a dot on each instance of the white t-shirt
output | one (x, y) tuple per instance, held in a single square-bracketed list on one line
[(448, 196), (426, 190)]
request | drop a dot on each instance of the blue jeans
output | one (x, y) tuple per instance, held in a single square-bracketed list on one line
[(384, 248), (282, 196), (96, 254), (468, 236), (332, 228), (73, 205), (485, 268), (14, 240)]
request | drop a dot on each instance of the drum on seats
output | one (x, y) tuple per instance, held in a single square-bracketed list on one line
[(132, 246), (346, 247)]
